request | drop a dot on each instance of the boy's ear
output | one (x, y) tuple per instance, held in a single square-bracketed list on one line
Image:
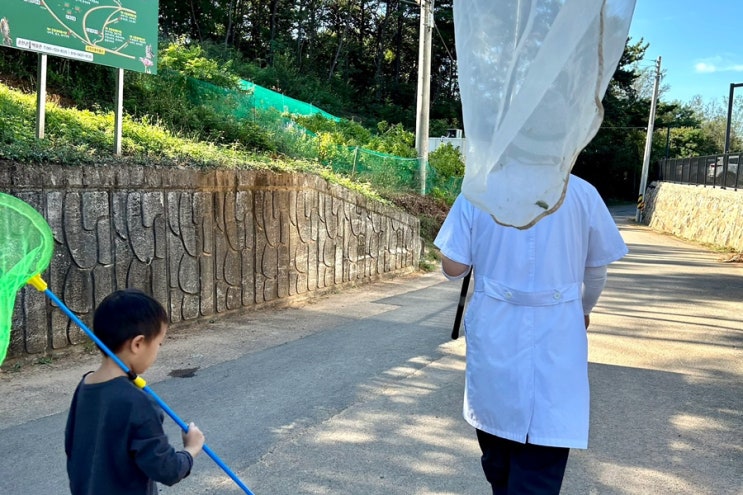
[(136, 343)]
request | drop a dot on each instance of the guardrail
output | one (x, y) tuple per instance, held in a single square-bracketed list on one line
[(721, 171)]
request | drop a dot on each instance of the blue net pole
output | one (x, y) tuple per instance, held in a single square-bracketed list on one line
[(146, 388)]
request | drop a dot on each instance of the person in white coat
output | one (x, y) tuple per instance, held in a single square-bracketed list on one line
[(526, 379)]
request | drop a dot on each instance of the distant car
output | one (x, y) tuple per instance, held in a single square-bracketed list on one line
[(717, 174)]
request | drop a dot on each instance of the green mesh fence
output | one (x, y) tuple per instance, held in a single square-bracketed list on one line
[(26, 247), (267, 99), (383, 170), (272, 111)]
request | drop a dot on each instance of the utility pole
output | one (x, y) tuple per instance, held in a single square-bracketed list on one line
[(648, 146), (424, 89)]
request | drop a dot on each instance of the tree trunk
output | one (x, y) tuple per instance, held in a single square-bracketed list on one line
[(272, 35), (302, 7), (337, 52), (398, 42), (195, 20), (312, 27), (230, 14), (380, 52)]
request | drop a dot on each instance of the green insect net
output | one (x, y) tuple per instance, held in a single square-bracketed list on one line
[(26, 247)]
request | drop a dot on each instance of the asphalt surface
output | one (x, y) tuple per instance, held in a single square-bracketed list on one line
[(360, 392)]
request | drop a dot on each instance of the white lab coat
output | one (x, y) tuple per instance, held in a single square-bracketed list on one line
[(527, 357)]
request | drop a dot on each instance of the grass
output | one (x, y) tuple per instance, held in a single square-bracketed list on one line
[(83, 137), (79, 137)]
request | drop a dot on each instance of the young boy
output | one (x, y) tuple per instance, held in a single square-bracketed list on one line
[(114, 440)]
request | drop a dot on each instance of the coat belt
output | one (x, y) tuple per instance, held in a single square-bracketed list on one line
[(548, 297)]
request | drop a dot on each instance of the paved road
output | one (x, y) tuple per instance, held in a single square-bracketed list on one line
[(360, 392)]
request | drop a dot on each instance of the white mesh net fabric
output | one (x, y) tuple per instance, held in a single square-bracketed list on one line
[(532, 74)]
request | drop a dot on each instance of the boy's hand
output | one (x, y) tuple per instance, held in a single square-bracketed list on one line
[(193, 441)]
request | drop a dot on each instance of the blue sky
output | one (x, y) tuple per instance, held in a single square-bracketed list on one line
[(700, 43)]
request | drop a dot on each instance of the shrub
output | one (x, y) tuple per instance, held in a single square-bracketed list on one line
[(447, 161), (393, 140), (191, 61)]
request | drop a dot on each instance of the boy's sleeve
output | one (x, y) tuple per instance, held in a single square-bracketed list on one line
[(153, 453), (69, 431)]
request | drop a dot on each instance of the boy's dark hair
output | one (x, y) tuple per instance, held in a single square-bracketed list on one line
[(126, 313)]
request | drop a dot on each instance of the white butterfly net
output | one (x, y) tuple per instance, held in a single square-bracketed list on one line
[(532, 74)]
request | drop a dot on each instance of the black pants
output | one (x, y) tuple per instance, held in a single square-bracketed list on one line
[(514, 468)]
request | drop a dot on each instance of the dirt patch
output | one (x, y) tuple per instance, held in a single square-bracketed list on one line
[(416, 204), (431, 212)]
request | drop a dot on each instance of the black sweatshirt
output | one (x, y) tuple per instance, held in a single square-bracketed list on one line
[(115, 443)]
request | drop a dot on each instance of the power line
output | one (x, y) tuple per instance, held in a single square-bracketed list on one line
[(454, 61), (620, 127)]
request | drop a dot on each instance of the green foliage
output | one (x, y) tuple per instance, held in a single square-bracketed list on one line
[(387, 159), (713, 116), (191, 61), (283, 77), (87, 85), (440, 127), (612, 161), (683, 142), (345, 132), (187, 106), (447, 171), (174, 98), (206, 111), (351, 59), (393, 140), (83, 136), (447, 161), (21, 64), (86, 137), (430, 259)]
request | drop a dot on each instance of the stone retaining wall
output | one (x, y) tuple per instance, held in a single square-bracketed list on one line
[(701, 214), (202, 242)]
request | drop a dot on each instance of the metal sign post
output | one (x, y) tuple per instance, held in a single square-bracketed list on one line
[(41, 97), (117, 33), (119, 113)]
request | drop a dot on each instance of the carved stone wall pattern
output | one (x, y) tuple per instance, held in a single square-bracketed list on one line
[(201, 242), (244, 215)]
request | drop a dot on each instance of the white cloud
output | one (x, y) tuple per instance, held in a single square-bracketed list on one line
[(705, 67), (717, 64)]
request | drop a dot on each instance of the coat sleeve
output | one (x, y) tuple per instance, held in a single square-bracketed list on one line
[(605, 243), (153, 453), (455, 236)]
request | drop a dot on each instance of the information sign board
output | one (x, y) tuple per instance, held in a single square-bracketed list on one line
[(117, 33)]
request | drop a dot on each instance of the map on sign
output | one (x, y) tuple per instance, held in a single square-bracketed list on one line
[(117, 33)]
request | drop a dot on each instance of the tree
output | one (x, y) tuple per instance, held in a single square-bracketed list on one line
[(679, 133), (612, 161), (713, 116)]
